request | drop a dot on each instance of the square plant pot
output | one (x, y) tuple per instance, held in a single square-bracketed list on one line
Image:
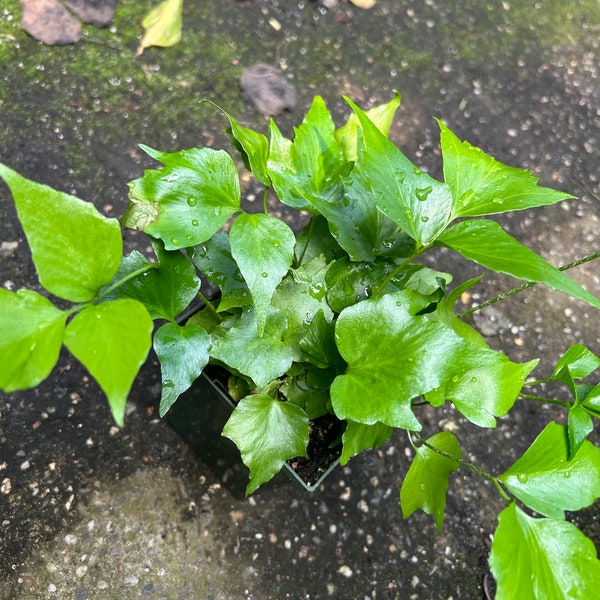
[(199, 416)]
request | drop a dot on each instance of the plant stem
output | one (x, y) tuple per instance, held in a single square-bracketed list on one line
[(125, 279), (397, 270), (209, 306), (562, 403), (265, 196), (469, 465), (525, 286)]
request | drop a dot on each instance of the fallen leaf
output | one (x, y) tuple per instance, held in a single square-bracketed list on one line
[(162, 25)]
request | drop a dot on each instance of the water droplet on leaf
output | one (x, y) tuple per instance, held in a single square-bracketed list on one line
[(522, 477), (422, 193), (195, 222), (264, 274), (192, 201)]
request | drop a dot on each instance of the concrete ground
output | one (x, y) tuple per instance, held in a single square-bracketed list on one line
[(89, 511)]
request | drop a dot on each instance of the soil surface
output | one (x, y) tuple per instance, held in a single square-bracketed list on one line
[(91, 511)]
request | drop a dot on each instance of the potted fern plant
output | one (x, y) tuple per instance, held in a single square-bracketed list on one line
[(340, 320)]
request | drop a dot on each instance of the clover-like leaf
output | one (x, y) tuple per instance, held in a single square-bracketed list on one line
[(358, 437), (75, 249), (32, 334), (486, 243), (263, 248), (187, 201), (112, 341), (267, 432), (183, 351), (426, 483), (540, 559), (550, 482), (481, 185)]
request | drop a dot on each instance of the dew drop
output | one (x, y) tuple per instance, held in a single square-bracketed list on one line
[(422, 193), (473, 379), (522, 477), (422, 487), (417, 171), (192, 201), (567, 474), (175, 241), (498, 201), (455, 378), (168, 383), (424, 219), (195, 222), (265, 274)]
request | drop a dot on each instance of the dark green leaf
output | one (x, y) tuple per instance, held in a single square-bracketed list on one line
[(187, 201), (426, 483), (358, 437), (550, 482), (539, 559), (75, 249), (263, 248), (308, 388), (112, 341), (318, 342), (483, 186), (32, 334), (267, 432), (580, 425), (164, 291), (486, 243), (262, 358), (183, 352), (381, 116), (214, 259), (417, 203)]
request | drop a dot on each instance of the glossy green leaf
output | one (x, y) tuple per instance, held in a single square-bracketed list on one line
[(183, 351), (358, 437), (308, 387), (486, 243), (267, 432), (539, 559), (214, 259), (166, 290), (398, 357), (426, 483), (253, 147), (576, 363), (591, 400), (481, 185), (483, 392), (309, 168), (579, 426), (263, 248), (417, 203), (32, 334), (162, 25), (187, 201), (550, 482), (318, 342), (75, 249), (262, 358), (314, 240), (112, 341), (381, 116)]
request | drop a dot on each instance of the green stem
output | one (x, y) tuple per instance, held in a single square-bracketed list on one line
[(562, 403), (494, 480), (397, 270), (310, 232), (265, 197), (210, 306), (525, 286)]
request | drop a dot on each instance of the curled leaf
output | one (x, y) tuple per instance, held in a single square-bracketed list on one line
[(162, 25)]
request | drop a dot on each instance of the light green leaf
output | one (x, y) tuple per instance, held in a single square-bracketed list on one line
[(417, 203), (267, 432), (309, 169), (32, 334), (308, 387), (576, 363), (486, 243), (400, 356), (426, 483), (547, 481), (483, 186), (381, 116), (318, 342), (263, 248), (165, 291), (539, 559), (75, 249), (187, 201), (162, 25), (183, 351), (580, 425), (358, 437), (262, 358), (214, 259), (112, 341)]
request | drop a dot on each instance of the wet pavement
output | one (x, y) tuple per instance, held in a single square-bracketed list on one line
[(91, 511)]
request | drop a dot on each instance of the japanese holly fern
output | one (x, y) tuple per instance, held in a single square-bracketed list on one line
[(339, 319)]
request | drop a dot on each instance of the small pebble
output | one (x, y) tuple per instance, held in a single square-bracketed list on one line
[(267, 90)]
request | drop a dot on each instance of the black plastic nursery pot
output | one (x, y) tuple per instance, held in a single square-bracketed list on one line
[(199, 416)]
